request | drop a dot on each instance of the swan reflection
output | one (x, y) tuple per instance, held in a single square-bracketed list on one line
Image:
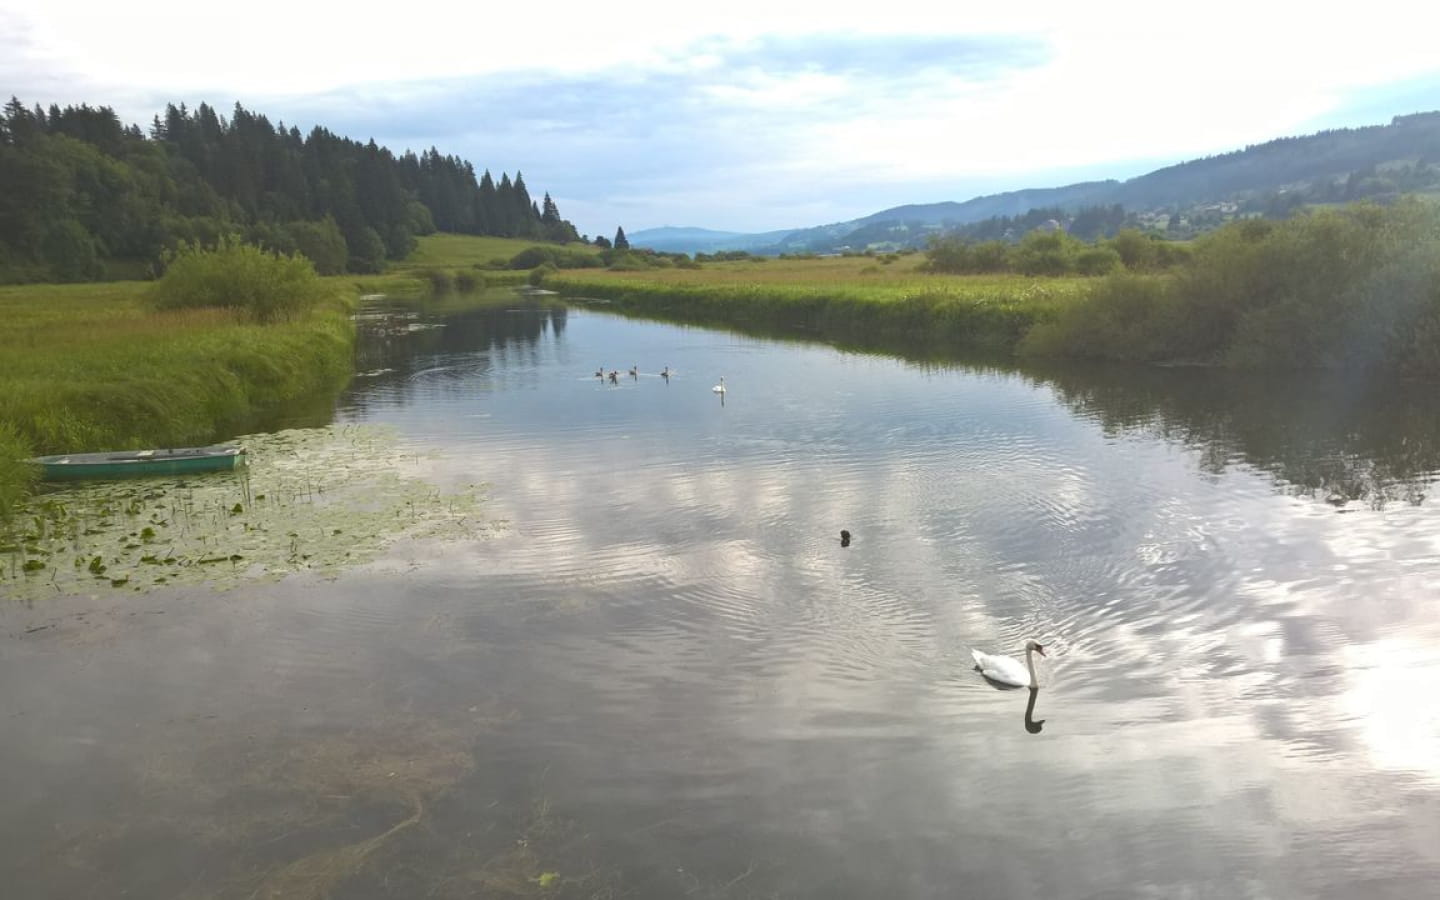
[(1032, 724)]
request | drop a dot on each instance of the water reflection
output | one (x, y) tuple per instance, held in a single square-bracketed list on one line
[(1341, 438), (1032, 725), (1332, 437), (663, 678), (398, 346)]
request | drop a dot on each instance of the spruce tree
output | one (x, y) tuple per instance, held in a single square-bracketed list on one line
[(620, 242)]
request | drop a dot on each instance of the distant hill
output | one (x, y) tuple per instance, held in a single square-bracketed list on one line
[(702, 240), (1288, 163), (909, 225), (1273, 178)]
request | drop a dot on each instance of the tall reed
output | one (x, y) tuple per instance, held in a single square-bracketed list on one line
[(94, 367)]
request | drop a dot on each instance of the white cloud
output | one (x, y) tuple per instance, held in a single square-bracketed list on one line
[(820, 93)]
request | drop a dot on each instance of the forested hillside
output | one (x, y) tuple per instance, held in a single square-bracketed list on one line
[(1270, 180), (83, 196)]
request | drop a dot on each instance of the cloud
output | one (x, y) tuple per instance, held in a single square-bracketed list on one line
[(690, 128), (763, 117)]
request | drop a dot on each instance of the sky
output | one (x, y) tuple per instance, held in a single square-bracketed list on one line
[(750, 116)]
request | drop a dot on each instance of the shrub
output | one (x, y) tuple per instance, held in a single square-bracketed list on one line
[(540, 273), (626, 261), (322, 243), (1046, 253), (560, 257), (1096, 261), (954, 255), (367, 251), (469, 282), (438, 280), (1355, 287), (1124, 316), (266, 287)]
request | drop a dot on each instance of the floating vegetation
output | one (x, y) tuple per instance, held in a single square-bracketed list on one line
[(316, 499)]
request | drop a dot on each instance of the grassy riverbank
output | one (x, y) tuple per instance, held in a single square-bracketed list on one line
[(1353, 287), (97, 367), (842, 299)]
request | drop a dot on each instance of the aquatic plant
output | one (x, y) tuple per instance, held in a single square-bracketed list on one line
[(310, 500)]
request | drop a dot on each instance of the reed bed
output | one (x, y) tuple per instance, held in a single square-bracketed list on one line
[(832, 299), (95, 367)]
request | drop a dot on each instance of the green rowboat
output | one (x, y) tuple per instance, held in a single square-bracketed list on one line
[(131, 463)]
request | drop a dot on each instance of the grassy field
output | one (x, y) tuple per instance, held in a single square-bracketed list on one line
[(884, 302), (460, 250), (94, 367), (854, 301)]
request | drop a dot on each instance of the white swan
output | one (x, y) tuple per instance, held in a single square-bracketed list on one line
[(719, 388), (1007, 669)]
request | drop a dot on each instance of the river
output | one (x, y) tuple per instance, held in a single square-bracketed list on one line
[(657, 672)]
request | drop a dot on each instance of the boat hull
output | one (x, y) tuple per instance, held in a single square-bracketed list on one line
[(134, 464)]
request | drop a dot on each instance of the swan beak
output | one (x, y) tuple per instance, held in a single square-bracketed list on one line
[(1040, 650)]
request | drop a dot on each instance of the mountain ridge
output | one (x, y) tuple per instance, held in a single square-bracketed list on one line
[(1325, 166)]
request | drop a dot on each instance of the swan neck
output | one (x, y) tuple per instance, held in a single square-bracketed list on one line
[(1030, 664)]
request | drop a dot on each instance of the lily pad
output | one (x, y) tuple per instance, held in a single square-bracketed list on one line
[(315, 499)]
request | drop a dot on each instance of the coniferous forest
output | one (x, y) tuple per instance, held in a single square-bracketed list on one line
[(85, 197)]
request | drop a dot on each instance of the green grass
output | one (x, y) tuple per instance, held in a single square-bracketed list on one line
[(96, 367), (853, 301), (460, 250)]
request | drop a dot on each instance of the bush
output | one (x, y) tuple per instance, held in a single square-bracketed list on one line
[(469, 282), (1356, 287), (560, 257), (1096, 261), (322, 243), (1046, 253), (438, 280), (954, 255), (626, 261), (540, 273), (266, 287), (1123, 317), (367, 251)]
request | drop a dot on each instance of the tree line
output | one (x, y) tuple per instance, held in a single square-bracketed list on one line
[(1052, 251), (83, 196)]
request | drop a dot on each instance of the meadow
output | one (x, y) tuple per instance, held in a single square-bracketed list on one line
[(97, 367), (452, 251), (854, 300)]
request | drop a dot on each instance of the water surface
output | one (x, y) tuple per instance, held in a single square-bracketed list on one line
[(660, 674)]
